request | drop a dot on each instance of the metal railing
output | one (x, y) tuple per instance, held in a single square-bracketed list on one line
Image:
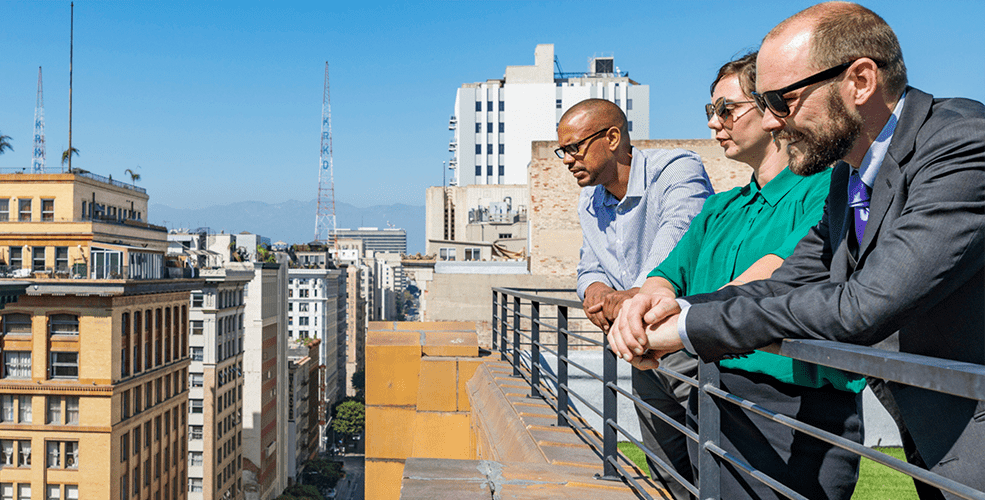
[(517, 324)]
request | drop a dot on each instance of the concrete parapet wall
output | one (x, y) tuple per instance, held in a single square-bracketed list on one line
[(416, 399)]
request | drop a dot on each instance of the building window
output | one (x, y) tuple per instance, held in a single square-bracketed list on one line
[(198, 299), (64, 365), (61, 259), (303, 321), (489, 149), (63, 454), (7, 453), (22, 452), (48, 210), (478, 149), (446, 254), (197, 354), (502, 148), (473, 254), (195, 458), (629, 104), (618, 102), (124, 447), (194, 483), (557, 103), (478, 105), (196, 379), (17, 364), (502, 127), (37, 258), (489, 106), (16, 257), (195, 432), (489, 127), (478, 128), (630, 125), (17, 324), (4, 209), (24, 208), (64, 324), (15, 409), (196, 405), (502, 105), (55, 410), (198, 327)]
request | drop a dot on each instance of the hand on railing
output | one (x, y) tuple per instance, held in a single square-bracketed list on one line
[(646, 329), (603, 303)]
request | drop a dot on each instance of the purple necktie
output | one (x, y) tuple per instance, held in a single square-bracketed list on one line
[(858, 199)]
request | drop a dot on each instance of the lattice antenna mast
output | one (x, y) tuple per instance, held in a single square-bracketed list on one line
[(325, 215), (37, 161)]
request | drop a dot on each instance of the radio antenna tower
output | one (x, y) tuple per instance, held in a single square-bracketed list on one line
[(37, 161), (325, 215)]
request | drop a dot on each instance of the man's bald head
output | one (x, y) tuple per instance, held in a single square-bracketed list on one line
[(843, 32), (599, 113)]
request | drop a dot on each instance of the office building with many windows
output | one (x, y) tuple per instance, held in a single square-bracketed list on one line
[(215, 382), (93, 396), (495, 121)]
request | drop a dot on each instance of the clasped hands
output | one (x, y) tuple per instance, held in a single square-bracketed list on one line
[(646, 329)]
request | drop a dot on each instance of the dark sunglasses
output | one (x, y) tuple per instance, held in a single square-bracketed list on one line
[(723, 108), (777, 104), (573, 148)]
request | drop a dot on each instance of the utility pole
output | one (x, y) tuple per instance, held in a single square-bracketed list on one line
[(71, 54)]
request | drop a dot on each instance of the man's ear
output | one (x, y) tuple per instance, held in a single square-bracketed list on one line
[(863, 75), (614, 136)]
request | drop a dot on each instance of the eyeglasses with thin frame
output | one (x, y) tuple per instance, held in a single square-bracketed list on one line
[(574, 148), (725, 108), (777, 104)]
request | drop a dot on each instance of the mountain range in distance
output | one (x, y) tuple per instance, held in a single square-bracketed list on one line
[(291, 221)]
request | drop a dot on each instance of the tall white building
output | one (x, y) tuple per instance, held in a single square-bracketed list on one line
[(495, 120), (316, 310)]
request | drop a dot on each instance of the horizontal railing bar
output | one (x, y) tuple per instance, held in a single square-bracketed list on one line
[(755, 473), (663, 465), (625, 475), (594, 375), (586, 339), (845, 444), (578, 396), (540, 298), (966, 380), (693, 436), (671, 373)]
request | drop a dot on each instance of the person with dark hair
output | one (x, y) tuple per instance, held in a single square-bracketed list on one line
[(901, 245), (634, 206), (743, 235)]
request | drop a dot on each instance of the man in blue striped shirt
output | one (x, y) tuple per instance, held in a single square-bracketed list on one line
[(635, 206)]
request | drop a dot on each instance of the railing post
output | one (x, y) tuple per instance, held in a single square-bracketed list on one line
[(562, 366), (516, 336), (502, 327), (534, 349), (609, 415), (495, 318), (709, 432)]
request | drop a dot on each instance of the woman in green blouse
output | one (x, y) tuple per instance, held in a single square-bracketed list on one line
[(743, 235)]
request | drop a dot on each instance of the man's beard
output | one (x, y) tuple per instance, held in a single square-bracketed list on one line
[(821, 148)]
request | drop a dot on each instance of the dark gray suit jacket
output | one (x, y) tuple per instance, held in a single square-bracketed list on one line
[(919, 271)]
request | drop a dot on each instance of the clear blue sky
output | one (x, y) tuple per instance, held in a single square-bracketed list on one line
[(219, 102)]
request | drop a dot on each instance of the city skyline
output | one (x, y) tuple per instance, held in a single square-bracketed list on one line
[(219, 103)]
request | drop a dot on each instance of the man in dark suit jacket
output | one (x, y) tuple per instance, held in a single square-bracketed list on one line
[(909, 260)]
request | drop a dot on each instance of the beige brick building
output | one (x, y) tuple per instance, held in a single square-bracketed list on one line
[(93, 380)]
